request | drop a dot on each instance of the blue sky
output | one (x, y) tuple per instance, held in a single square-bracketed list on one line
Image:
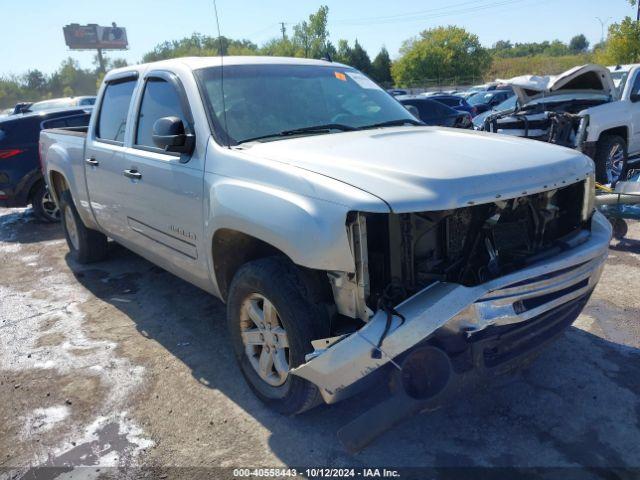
[(31, 31)]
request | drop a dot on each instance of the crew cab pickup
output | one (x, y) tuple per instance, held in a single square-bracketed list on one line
[(591, 108), (349, 241)]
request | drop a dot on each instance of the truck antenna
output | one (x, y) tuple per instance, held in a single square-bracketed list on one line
[(221, 51)]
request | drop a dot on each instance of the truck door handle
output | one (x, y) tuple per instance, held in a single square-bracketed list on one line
[(132, 174), (92, 161)]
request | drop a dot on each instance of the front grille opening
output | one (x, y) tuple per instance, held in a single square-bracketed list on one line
[(511, 341), (535, 302), (469, 245)]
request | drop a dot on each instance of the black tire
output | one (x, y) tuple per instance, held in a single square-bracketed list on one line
[(303, 316), (603, 149), (89, 245), (620, 228), (43, 205)]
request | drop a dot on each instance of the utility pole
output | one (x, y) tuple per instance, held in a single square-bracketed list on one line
[(283, 29), (101, 65), (603, 24), (638, 14)]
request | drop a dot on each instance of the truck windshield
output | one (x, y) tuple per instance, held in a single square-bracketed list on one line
[(268, 102)]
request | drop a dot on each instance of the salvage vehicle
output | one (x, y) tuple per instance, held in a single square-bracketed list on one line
[(21, 181), (582, 109), (349, 242)]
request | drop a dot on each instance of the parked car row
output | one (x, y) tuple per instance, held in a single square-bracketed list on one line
[(476, 101), (51, 104), (591, 108)]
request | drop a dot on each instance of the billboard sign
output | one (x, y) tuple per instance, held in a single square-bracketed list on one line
[(92, 36)]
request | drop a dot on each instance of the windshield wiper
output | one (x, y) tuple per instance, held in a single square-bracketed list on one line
[(325, 128), (394, 123)]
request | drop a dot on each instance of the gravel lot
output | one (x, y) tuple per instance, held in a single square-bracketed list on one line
[(121, 363)]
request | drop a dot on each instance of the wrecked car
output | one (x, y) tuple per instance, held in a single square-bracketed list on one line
[(350, 242), (582, 109)]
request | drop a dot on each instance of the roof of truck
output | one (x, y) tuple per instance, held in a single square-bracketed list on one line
[(195, 63)]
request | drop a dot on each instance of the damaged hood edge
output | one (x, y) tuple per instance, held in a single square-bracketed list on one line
[(532, 87)]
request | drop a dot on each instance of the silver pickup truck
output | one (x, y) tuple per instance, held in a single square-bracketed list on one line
[(349, 241)]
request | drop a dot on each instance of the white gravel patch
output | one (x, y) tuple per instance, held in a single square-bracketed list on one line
[(25, 317)]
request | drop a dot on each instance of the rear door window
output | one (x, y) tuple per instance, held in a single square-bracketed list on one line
[(160, 99), (113, 111)]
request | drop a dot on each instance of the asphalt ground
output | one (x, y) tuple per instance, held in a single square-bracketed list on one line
[(123, 364)]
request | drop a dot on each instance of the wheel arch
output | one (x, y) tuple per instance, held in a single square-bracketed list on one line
[(230, 249), (621, 131), (58, 184)]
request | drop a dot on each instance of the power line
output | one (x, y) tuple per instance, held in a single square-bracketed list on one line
[(415, 18), (399, 15)]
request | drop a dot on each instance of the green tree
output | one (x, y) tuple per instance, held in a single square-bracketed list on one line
[(199, 45), (360, 58), (579, 44), (502, 45), (343, 53), (438, 54), (311, 35), (357, 57), (35, 80), (623, 43), (281, 47), (381, 68), (557, 49)]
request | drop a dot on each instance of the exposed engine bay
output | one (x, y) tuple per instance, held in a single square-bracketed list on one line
[(400, 254), (554, 122)]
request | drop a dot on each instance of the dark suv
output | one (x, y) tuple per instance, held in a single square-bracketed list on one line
[(21, 181)]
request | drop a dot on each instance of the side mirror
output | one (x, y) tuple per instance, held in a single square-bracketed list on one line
[(635, 97), (170, 135)]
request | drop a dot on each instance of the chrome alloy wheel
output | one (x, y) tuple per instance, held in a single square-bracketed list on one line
[(71, 227), (265, 339), (49, 207), (615, 163)]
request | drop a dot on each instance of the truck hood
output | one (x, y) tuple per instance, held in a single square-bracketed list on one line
[(417, 169), (586, 78)]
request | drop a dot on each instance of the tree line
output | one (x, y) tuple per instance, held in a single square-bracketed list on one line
[(441, 55)]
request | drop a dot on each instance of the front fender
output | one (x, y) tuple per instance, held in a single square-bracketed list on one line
[(311, 232), (606, 117)]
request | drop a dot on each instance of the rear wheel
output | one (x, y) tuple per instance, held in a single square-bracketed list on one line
[(610, 159), (43, 205), (272, 317), (85, 245)]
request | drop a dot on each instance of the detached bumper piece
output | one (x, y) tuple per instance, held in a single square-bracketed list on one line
[(468, 333), (429, 377)]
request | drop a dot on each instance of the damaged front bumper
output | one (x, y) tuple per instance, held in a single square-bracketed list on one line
[(341, 366)]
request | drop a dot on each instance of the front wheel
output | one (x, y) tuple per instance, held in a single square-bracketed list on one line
[(610, 159), (272, 319), (85, 245)]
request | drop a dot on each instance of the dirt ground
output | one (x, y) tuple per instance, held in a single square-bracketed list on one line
[(123, 364)]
